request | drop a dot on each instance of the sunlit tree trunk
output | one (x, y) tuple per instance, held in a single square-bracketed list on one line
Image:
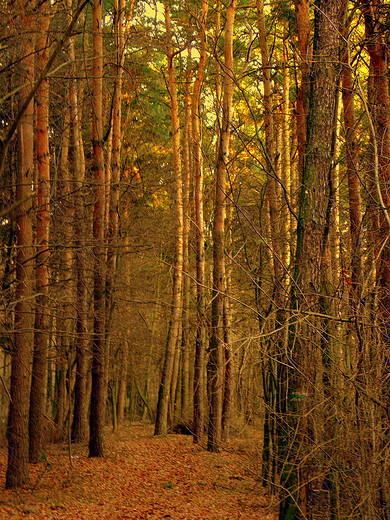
[(201, 331), (99, 380), (186, 393), (177, 305), (270, 148), (41, 333), (352, 164), (18, 443), (216, 363), (288, 222)]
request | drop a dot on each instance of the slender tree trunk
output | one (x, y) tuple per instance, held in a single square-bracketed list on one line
[(41, 333), (113, 187), (201, 331), (122, 384), (377, 48), (161, 426), (287, 221), (99, 379), (18, 443), (186, 401), (79, 427), (66, 299), (228, 356), (274, 223), (352, 164), (216, 364), (270, 139), (302, 13)]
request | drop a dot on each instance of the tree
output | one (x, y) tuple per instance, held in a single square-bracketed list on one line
[(41, 333), (305, 49), (18, 447), (216, 363), (174, 326), (79, 425), (352, 162), (99, 351), (201, 331), (311, 352)]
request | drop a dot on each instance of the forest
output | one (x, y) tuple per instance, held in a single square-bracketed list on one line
[(194, 233)]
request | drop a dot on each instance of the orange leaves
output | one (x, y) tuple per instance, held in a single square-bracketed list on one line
[(132, 173), (142, 478)]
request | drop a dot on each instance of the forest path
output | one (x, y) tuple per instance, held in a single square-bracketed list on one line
[(142, 478)]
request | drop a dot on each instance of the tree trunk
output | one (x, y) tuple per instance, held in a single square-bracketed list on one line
[(161, 426), (99, 379), (18, 444), (216, 363), (302, 14), (309, 348), (374, 363), (270, 138), (122, 383), (377, 48), (186, 394), (79, 427), (201, 332), (352, 165), (228, 355), (41, 333)]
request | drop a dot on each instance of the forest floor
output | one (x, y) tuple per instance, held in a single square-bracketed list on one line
[(143, 478)]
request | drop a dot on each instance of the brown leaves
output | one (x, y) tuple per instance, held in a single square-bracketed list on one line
[(141, 478)]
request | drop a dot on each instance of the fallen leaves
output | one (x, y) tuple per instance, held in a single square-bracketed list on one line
[(141, 478)]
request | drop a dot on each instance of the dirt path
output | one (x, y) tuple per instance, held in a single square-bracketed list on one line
[(142, 477)]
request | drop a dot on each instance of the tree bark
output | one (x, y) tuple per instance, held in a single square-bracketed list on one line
[(186, 394), (161, 426), (18, 442), (201, 332), (41, 334), (352, 164), (302, 14), (216, 363), (79, 426), (99, 379), (377, 48)]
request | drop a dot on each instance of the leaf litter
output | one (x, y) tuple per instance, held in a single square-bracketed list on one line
[(142, 477)]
